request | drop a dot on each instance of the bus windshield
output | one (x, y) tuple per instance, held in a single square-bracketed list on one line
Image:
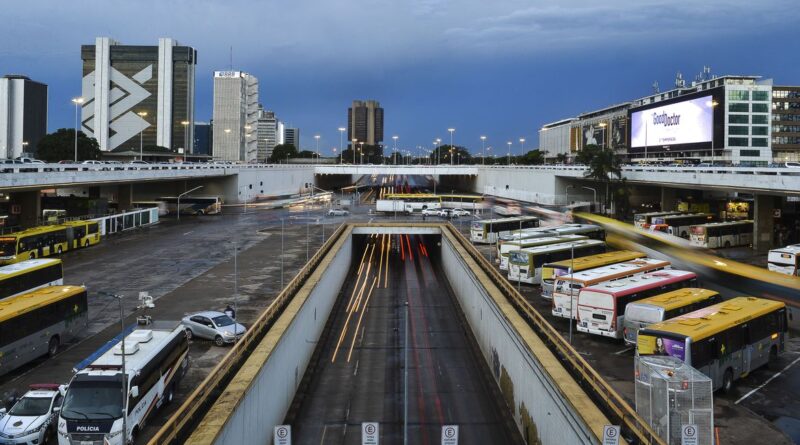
[(31, 406), (8, 246), (518, 257), (477, 225), (93, 400)]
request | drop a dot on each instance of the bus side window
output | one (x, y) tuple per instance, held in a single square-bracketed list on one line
[(700, 354), (735, 340), (92, 228)]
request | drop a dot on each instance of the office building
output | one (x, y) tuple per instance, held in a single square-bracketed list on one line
[(235, 116), (267, 134), (291, 136), (128, 90), (786, 124), (202, 138), (281, 133), (365, 122), (23, 115)]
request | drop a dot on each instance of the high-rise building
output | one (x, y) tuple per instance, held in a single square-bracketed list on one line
[(128, 90), (291, 136), (365, 122), (267, 134), (23, 115), (785, 123), (235, 116), (202, 138)]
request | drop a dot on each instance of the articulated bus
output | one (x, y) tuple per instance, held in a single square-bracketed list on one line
[(785, 260), (27, 276), (722, 234), (725, 341), (679, 225), (487, 231), (37, 323), (44, 241), (194, 205), (601, 308), (503, 249), (643, 220), (552, 271), (526, 265), (568, 287), (663, 307)]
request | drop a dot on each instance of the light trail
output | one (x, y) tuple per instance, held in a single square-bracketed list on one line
[(360, 317)]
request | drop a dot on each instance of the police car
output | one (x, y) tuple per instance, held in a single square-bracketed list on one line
[(32, 420)]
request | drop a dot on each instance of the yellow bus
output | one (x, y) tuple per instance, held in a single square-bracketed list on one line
[(42, 241), (27, 276), (724, 341), (552, 271), (662, 307)]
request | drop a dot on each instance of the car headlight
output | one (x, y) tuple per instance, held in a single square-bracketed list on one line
[(227, 333), (33, 430), (114, 434)]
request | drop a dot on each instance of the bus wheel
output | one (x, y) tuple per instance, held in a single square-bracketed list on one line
[(86, 243), (52, 346), (727, 381), (200, 213), (32, 255), (59, 250), (772, 363), (727, 244)]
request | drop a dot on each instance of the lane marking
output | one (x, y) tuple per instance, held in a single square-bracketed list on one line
[(768, 380), (623, 351), (324, 430), (356, 370), (188, 232)]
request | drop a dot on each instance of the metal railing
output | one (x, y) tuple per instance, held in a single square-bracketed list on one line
[(611, 403), (51, 168)]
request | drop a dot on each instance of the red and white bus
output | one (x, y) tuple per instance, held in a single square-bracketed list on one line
[(601, 308)]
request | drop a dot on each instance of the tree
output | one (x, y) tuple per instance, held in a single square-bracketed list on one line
[(602, 165), (561, 158), (306, 154), (442, 155), (60, 146), (533, 157), (281, 152)]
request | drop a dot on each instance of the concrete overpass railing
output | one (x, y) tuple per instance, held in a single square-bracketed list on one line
[(424, 170)]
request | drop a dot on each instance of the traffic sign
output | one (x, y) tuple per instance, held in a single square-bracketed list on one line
[(369, 433), (450, 435), (689, 435), (282, 435), (611, 435)]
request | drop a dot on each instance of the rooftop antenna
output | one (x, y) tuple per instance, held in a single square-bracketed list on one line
[(679, 82), (656, 88), (231, 65), (707, 73)]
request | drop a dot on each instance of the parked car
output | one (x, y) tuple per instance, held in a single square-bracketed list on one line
[(213, 325), (139, 161), (445, 213), (338, 212), (430, 212), (793, 164), (34, 417), (461, 212), (26, 160), (93, 162)]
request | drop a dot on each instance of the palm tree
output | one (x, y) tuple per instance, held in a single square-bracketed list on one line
[(603, 167)]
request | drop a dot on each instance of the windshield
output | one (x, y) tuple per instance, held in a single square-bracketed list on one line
[(8, 246), (642, 313), (31, 406), (93, 400), (223, 320), (518, 257), (477, 226)]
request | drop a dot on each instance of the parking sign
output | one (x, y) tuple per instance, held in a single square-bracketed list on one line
[(450, 435), (369, 433), (689, 435), (611, 435), (282, 435)]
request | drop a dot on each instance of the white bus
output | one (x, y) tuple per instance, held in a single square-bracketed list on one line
[(504, 248), (679, 225), (567, 287), (37, 323), (526, 265), (29, 275), (643, 220), (407, 202), (785, 260), (588, 230), (722, 234), (487, 231), (93, 409), (193, 205), (601, 308)]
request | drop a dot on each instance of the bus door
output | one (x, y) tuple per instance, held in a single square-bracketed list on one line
[(71, 242), (747, 349)]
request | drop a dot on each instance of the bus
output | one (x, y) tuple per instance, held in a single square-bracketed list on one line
[(551, 271), (156, 359), (506, 207), (601, 308), (486, 231), (663, 307), (408, 202), (679, 225), (526, 265), (643, 220), (160, 205), (194, 205), (785, 260), (42, 241), (588, 230), (37, 323), (504, 248), (27, 276), (725, 341), (568, 287), (722, 234)]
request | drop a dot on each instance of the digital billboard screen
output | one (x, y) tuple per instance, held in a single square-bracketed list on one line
[(687, 122)]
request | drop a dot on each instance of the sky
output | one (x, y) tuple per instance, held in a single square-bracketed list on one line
[(499, 68)]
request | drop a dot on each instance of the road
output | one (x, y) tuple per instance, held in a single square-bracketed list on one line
[(359, 375)]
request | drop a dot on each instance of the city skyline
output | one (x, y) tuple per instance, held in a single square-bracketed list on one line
[(501, 70)]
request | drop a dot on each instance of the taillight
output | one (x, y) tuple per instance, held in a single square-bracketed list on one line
[(613, 323)]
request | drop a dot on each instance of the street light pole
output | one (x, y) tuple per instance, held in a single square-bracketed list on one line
[(77, 101), (185, 136), (483, 150), (594, 198), (183, 194), (451, 130), (394, 152), (509, 152), (316, 138), (124, 368), (522, 144), (353, 146), (341, 139)]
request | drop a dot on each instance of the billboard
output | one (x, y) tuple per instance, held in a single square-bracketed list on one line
[(593, 135), (686, 122), (619, 133)]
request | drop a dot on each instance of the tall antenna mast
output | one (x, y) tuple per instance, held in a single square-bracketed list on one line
[(231, 65)]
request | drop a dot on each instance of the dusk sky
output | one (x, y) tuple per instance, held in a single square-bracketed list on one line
[(500, 68)]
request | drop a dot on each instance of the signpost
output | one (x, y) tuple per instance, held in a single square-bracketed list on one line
[(611, 435), (282, 435), (450, 435), (689, 435), (369, 433)]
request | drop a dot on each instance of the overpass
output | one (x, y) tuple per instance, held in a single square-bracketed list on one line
[(548, 391)]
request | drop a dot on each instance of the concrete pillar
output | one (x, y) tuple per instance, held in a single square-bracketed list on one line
[(124, 197), (30, 207), (764, 222), (669, 199)]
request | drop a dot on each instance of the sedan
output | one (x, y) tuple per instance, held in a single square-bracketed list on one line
[(338, 212), (213, 325), (430, 212), (33, 418), (461, 212)]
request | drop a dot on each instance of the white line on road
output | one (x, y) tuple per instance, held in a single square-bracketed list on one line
[(768, 380), (623, 351), (188, 232), (356, 370)]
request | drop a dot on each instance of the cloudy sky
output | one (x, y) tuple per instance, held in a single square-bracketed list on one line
[(500, 67)]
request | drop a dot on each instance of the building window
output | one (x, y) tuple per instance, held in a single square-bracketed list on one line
[(760, 119), (737, 119), (738, 95), (760, 95), (751, 153), (759, 142), (737, 142), (739, 107), (760, 108), (760, 131), (738, 130)]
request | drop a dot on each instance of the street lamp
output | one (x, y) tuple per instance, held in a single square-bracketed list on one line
[(394, 152), (509, 152), (183, 194), (451, 130), (24, 147), (141, 114), (77, 101), (522, 144), (438, 152), (594, 198), (353, 146), (361, 149), (603, 125), (124, 369), (489, 149), (185, 136), (713, 156), (316, 138), (341, 138), (483, 150)]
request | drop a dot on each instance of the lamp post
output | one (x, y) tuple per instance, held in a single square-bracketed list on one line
[(713, 155), (183, 194), (594, 198), (353, 146), (394, 152), (489, 149), (361, 150), (438, 152), (451, 130), (334, 154), (141, 114), (341, 138), (24, 147), (316, 139), (603, 125), (522, 145), (483, 150), (185, 136), (124, 369), (509, 152), (77, 101)]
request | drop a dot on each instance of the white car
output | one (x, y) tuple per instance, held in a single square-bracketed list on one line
[(430, 212), (33, 419), (461, 212), (338, 212)]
